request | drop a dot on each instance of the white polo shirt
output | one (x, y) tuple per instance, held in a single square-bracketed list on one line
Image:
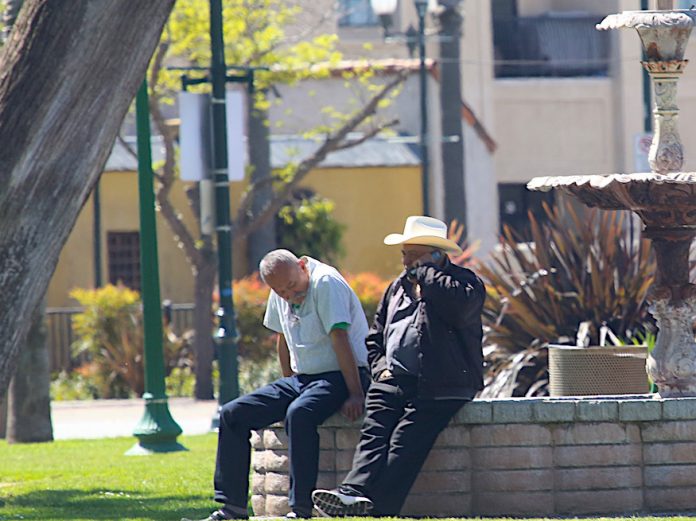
[(329, 301)]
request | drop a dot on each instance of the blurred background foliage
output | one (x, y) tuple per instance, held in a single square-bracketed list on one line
[(110, 344), (305, 225), (589, 268)]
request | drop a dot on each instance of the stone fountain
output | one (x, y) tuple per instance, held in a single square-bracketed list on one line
[(664, 199)]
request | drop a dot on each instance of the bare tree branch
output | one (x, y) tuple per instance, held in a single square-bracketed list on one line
[(168, 171), (246, 223), (126, 146), (366, 136)]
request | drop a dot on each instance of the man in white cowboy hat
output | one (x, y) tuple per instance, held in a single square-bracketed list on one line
[(426, 360)]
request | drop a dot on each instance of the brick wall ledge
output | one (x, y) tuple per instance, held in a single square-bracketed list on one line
[(524, 457)]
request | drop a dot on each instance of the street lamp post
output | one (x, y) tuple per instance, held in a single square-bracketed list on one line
[(156, 431), (385, 10), (227, 332)]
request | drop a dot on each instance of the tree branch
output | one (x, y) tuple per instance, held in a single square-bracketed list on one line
[(128, 148), (167, 176), (246, 223), (367, 135)]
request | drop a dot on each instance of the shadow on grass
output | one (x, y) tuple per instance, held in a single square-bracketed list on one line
[(57, 504)]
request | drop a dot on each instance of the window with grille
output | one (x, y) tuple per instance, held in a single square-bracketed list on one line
[(123, 249), (555, 44)]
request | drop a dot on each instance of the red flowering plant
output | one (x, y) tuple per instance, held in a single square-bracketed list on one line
[(369, 288)]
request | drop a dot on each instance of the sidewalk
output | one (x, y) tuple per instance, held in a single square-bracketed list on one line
[(113, 418)]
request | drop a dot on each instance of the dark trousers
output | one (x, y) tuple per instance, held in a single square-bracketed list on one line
[(304, 401), (397, 434)]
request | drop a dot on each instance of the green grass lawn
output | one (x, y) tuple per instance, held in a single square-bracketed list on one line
[(92, 480)]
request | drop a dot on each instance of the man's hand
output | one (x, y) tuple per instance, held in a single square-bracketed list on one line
[(434, 257), (353, 407)]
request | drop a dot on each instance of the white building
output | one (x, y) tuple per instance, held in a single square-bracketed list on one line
[(557, 96)]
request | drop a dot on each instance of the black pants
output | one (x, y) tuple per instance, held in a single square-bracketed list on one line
[(397, 434), (304, 401)]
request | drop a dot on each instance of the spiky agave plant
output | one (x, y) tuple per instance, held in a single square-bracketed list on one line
[(591, 268)]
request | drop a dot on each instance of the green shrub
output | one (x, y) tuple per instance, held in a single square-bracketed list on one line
[(256, 373), (72, 386), (110, 337), (306, 226), (369, 288), (109, 334), (109, 331), (578, 269), (250, 296)]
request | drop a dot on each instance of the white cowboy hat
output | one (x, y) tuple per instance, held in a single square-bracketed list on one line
[(425, 231)]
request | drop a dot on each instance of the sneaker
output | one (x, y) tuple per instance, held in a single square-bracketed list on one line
[(298, 514), (220, 515), (332, 503)]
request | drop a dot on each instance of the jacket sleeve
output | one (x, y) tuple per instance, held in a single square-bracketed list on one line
[(458, 300), (376, 350)]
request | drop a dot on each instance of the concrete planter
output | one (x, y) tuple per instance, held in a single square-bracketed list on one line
[(529, 457), (586, 371)]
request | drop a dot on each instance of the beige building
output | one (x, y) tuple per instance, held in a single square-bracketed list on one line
[(355, 179), (557, 96)]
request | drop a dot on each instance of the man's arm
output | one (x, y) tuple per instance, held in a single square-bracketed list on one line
[(283, 355), (456, 300), (353, 407), (376, 352)]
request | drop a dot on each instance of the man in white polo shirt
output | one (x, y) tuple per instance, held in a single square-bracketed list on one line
[(321, 330)]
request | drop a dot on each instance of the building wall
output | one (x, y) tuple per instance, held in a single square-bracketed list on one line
[(553, 127), (543, 126), (119, 212), (371, 202), (299, 111), (540, 7)]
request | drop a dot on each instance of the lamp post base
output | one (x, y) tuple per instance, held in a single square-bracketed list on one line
[(156, 431)]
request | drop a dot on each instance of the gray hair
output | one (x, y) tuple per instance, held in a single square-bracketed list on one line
[(273, 259)]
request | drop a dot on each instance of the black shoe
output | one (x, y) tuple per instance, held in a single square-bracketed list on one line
[(332, 503)]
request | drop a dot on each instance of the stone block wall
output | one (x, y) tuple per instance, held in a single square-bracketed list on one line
[(527, 457)]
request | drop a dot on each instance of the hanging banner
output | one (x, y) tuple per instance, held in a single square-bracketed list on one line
[(195, 136), (236, 139)]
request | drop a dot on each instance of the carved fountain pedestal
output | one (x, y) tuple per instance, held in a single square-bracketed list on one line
[(665, 199)]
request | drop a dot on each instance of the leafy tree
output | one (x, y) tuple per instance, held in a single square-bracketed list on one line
[(255, 35), (68, 73), (306, 226)]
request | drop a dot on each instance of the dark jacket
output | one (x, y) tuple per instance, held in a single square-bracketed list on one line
[(450, 332)]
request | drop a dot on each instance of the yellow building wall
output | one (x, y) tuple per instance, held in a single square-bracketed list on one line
[(370, 202)]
